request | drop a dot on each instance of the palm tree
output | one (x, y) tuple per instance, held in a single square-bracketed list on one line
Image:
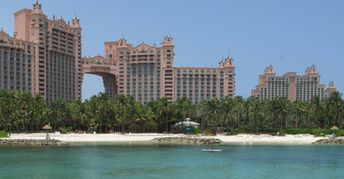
[(74, 113), (317, 112), (8, 105), (181, 109), (143, 120), (212, 109), (227, 110), (238, 109), (125, 109), (280, 110), (104, 111), (58, 118), (254, 113), (163, 113), (334, 105)]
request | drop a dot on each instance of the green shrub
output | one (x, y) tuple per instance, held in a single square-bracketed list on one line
[(65, 130), (196, 131), (209, 132), (281, 132), (206, 133), (339, 132), (3, 134)]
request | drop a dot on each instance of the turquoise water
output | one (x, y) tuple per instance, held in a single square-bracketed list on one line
[(149, 161)]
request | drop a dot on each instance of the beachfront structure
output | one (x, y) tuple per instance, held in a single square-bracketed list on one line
[(292, 86), (147, 73), (43, 56), (17, 60)]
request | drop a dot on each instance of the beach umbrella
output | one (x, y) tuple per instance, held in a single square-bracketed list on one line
[(334, 128), (186, 123), (47, 127)]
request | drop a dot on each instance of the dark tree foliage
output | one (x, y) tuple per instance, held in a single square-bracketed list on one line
[(23, 112)]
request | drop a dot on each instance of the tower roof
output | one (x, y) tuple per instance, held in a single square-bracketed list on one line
[(75, 23), (331, 85), (269, 70), (3, 34), (226, 62), (168, 40), (311, 70), (37, 8)]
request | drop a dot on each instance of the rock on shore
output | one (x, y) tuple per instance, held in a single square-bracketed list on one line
[(186, 140), (30, 142), (330, 141)]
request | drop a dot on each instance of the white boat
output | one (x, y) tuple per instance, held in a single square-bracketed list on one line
[(211, 150)]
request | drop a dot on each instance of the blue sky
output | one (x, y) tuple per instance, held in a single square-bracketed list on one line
[(291, 35)]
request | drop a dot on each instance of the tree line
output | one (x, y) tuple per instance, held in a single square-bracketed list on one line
[(23, 112)]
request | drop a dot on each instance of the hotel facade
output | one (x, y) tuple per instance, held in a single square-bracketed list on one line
[(292, 86), (147, 73), (17, 60), (43, 56)]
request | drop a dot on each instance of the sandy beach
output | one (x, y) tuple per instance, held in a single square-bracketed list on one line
[(146, 137), (269, 139)]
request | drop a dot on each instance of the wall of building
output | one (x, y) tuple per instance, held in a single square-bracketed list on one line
[(17, 58), (58, 71), (291, 86), (144, 71), (147, 73)]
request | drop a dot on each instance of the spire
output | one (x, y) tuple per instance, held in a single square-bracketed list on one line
[(122, 36), (75, 22), (37, 8), (269, 70), (168, 40), (3, 33), (313, 67), (226, 62), (229, 53), (332, 85), (311, 70)]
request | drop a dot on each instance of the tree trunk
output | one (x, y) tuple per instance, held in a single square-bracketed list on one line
[(100, 126)]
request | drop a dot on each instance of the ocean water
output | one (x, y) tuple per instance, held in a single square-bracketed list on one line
[(151, 161)]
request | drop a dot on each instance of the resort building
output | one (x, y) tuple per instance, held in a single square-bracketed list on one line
[(43, 56), (292, 86), (147, 73), (17, 61)]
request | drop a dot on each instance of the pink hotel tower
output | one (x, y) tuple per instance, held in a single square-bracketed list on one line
[(292, 86), (44, 57), (147, 73)]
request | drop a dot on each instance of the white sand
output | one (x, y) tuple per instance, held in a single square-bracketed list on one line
[(269, 139), (146, 137)]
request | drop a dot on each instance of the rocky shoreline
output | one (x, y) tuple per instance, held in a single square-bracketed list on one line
[(330, 141), (30, 142), (186, 140)]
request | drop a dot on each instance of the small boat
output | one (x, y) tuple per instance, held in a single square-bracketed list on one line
[(211, 150)]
